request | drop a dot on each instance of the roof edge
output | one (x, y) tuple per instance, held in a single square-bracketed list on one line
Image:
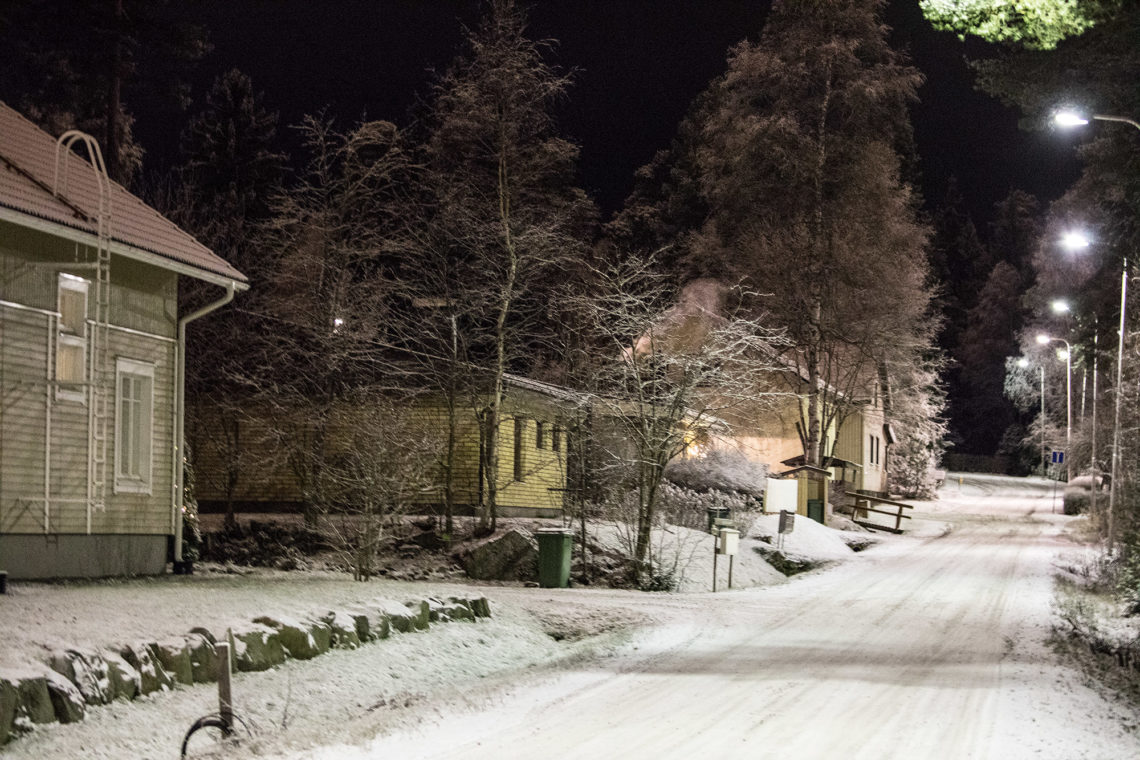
[(120, 248)]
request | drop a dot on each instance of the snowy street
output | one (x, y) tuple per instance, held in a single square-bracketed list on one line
[(919, 649)]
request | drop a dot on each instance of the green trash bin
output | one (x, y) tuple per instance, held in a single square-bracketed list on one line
[(554, 545), (815, 510)]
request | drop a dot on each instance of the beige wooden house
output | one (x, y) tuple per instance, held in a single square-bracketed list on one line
[(91, 362), (533, 444)]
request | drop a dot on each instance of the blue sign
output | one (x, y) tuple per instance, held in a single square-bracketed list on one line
[(1058, 457)]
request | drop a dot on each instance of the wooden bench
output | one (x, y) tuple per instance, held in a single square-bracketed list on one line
[(865, 503)]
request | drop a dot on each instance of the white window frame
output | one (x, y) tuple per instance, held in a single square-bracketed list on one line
[(71, 391), (139, 483)]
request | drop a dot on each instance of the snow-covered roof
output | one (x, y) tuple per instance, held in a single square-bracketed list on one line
[(27, 179)]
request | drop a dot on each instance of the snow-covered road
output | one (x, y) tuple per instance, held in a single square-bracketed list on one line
[(918, 649)]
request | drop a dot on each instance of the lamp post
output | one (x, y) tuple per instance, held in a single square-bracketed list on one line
[(1023, 362), (1072, 119), (1045, 340)]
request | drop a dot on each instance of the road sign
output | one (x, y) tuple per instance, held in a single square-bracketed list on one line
[(1058, 457)]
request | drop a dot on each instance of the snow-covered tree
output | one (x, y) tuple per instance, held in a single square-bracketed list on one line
[(795, 152), (508, 217)]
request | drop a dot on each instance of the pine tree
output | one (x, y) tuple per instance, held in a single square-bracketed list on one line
[(797, 151)]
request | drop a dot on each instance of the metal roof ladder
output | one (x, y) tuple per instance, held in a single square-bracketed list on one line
[(100, 375)]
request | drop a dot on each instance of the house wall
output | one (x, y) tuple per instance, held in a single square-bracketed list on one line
[(44, 439), (854, 445), (266, 481)]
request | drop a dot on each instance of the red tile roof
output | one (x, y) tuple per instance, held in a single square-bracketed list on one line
[(27, 173)]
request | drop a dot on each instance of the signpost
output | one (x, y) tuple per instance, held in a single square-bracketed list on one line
[(1057, 458), (787, 525)]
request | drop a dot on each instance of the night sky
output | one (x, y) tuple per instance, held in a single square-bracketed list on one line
[(638, 64)]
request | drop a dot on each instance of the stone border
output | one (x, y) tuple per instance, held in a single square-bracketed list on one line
[(75, 679)]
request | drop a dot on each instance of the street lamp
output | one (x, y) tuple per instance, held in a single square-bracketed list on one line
[(1043, 340), (1066, 118), (1023, 362)]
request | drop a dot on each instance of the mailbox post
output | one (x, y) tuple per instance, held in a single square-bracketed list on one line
[(727, 542)]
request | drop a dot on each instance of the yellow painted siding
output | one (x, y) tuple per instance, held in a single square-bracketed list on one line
[(143, 299)]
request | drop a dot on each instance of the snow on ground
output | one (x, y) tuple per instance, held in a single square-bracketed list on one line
[(690, 554), (918, 647), (808, 539)]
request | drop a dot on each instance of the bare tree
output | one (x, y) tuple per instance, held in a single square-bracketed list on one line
[(322, 314), (664, 366), (508, 214)]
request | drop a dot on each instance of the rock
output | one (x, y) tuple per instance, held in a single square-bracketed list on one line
[(343, 627), (203, 658), (152, 676), (511, 556), (297, 637), (87, 671), (481, 607), (33, 702), (363, 625), (421, 614), (175, 658), (126, 683), (9, 706), (399, 617), (205, 632), (459, 609), (256, 648), (66, 700)]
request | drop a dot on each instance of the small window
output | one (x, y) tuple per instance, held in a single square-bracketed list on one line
[(520, 437), (540, 435), (556, 438), (71, 338), (134, 429)]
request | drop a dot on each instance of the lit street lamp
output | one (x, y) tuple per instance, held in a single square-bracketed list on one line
[(1071, 119), (1045, 340)]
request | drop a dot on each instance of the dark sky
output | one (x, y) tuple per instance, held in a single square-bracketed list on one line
[(638, 64)]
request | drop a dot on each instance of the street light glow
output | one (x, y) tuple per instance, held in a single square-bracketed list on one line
[(1061, 306), (1042, 339), (1023, 362), (1069, 119), (1075, 240)]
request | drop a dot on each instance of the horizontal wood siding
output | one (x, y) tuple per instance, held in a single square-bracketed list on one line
[(143, 300), (23, 427)]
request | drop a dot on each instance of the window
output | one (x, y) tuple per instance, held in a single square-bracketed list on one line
[(71, 338), (134, 412), (540, 435), (556, 438), (520, 436)]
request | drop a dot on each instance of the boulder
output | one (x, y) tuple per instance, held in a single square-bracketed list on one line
[(481, 607), (297, 637), (343, 628), (421, 614), (437, 611), (126, 683), (9, 707), (363, 624), (174, 655), (203, 658), (511, 556), (399, 617), (152, 676), (459, 609), (256, 648), (66, 700), (87, 671), (32, 701)]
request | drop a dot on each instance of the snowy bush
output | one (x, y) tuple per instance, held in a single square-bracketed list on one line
[(689, 508), (721, 471)]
